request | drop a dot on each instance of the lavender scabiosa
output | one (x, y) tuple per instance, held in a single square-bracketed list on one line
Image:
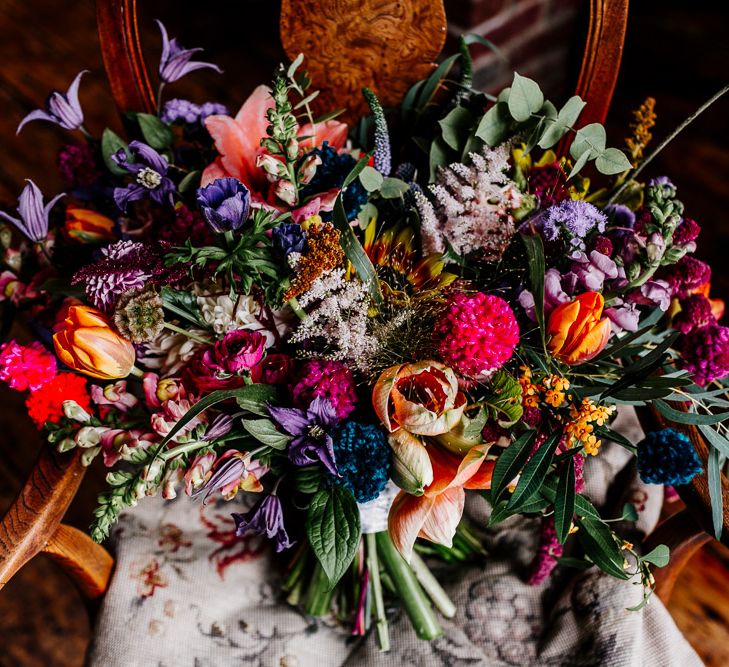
[(32, 217), (383, 157), (265, 518), (149, 169), (62, 109), (176, 61), (225, 204)]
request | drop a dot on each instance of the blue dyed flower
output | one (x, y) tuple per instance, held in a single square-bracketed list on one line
[(265, 518), (225, 204), (363, 459), (288, 237), (149, 169), (62, 109), (667, 457), (176, 60), (572, 219), (33, 216)]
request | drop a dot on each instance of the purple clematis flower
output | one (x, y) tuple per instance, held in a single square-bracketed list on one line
[(61, 108), (150, 172), (33, 220), (225, 204), (312, 443), (265, 518), (176, 61)]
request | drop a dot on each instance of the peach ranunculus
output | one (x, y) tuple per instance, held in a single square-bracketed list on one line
[(421, 398), (436, 513), (577, 331), (87, 226), (89, 345), (238, 140)]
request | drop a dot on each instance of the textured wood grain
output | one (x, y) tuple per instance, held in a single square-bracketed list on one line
[(385, 45)]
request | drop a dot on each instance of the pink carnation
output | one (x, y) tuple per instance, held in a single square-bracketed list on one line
[(26, 366), (329, 379), (476, 334), (705, 353), (695, 313)]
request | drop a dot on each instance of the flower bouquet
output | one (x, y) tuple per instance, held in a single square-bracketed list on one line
[(352, 329)]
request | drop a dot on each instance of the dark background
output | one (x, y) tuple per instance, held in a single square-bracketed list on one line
[(676, 51)]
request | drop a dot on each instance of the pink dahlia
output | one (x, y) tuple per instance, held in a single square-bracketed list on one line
[(476, 334), (329, 379), (26, 366), (705, 353)]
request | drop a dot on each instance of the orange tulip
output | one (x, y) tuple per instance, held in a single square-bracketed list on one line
[(89, 345), (577, 332), (435, 515), (87, 226)]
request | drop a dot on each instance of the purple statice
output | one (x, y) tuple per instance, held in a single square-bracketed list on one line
[(78, 166), (573, 219), (176, 61), (225, 204), (149, 169), (310, 429), (705, 353), (695, 313), (288, 237), (265, 518), (180, 110), (62, 109), (212, 109), (32, 217)]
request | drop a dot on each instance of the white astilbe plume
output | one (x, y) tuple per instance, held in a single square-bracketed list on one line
[(473, 206), (337, 318)]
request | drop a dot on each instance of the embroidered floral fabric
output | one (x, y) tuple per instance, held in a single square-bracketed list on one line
[(186, 591)]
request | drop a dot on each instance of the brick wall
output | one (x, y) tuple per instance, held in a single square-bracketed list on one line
[(542, 39)]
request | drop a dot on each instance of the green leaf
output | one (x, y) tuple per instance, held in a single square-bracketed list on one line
[(356, 170), (503, 399), (603, 432), (254, 398), (564, 507), (433, 81), (645, 326), (715, 492), (577, 563), (333, 529), (629, 512), (502, 511), (612, 161), (716, 440), (393, 188), (525, 98), (534, 472), (455, 127), (535, 257), (659, 556), (111, 143), (589, 139), (371, 179), (155, 132), (681, 417), (294, 66), (183, 304), (571, 111), (495, 124), (265, 431), (509, 464), (599, 544), (579, 163), (191, 180), (438, 157), (366, 215), (355, 252)]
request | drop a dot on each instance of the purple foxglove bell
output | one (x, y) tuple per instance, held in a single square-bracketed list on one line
[(33, 216), (176, 61), (61, 108)]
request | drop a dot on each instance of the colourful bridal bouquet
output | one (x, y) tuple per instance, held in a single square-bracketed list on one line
[(352, 329)]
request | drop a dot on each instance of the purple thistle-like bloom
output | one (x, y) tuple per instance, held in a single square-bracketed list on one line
[(33, 216), (150, 176), (312, 442), (574, 218), (213, 109), (176, 61), (265, 518), (62, 109), (225, 204), (180, 110), (288, 237)]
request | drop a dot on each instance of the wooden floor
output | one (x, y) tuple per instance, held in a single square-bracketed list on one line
[(676, 51)]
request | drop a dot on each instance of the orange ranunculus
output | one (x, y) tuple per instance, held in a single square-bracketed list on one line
[(89, 345), (577, 330), (87, 226), (421, 398), (436, 513)]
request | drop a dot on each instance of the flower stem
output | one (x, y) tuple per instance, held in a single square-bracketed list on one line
[(293, 302), (319, 594), (189, 334), (137, 372), (182, 449), (432, 587), (373, 565), (408, 589)]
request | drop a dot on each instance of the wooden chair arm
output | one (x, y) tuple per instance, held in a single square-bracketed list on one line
[(33, 525)]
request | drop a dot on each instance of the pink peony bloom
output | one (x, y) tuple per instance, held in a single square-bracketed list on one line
[(26, 366)]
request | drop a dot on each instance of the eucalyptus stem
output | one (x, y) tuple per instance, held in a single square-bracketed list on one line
[(632, 176), (432, 587), (189, 334), (373, 565), (413, 599)]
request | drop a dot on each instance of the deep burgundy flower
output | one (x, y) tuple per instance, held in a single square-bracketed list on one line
[(705, 353), (240, 350), (687, 275), (273, 369), (686, 233), (695, 313), (549, 183), (62, 109), (265, 518)]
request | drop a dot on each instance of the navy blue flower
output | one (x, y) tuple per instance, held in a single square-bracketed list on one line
[(62, 109), (288, 237), (176, 60), (150, 176), (667, 457), (265, 518), (225, 204)]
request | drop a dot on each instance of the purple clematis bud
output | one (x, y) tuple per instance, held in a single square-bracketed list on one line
[(61, 108), (265, 518), (33, 216), (225, 204), (176, 61), (150, 176)]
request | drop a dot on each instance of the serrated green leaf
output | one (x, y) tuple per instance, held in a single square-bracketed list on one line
[(590, 139), (564, 506), (155, 132), (333, 529), (715, 492), (509, 463), (600, 546), (534, 472), (525, 98), (111, 143), (455, 127), (659, 556), (495, 124), (265, 431), (612, 161), (371, 179)]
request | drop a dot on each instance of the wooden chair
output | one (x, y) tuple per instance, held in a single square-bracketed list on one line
[(33, 524)]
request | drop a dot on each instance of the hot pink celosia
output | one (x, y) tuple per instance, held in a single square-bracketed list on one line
[(26, 366), (329, 379), (476, 334)]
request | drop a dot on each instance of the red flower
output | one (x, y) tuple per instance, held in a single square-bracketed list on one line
[(46, 404)]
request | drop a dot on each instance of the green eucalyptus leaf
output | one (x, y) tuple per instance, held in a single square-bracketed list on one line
[(371, 179), (579, 163), (495, 125), (455, 127), (525, 98), (716, 440), (715, 492), (155, 132), (658, 556), (392, 188), (681, 417), (612, 161), (589, 139), (366, 215), (571, 111)]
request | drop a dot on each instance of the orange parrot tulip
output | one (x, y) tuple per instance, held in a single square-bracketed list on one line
[(89, 345), (577, 331), (87, 226)]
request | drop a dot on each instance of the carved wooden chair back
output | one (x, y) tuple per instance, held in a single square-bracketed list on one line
[(340, 68)]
